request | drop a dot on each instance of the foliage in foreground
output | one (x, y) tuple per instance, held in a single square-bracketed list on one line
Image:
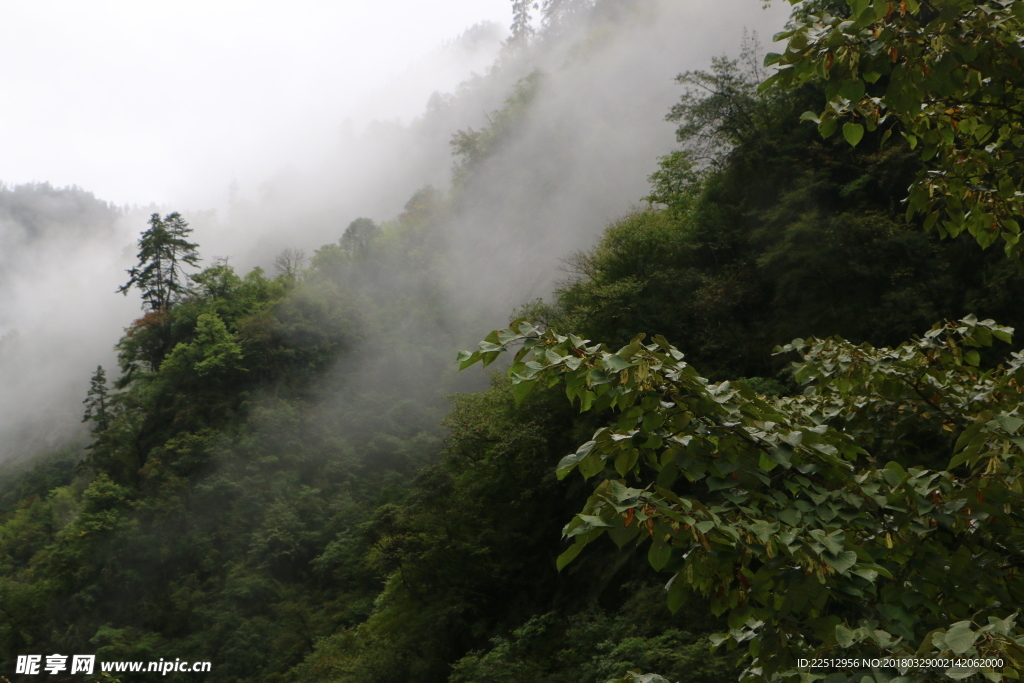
[(876, 512), (945, 74)]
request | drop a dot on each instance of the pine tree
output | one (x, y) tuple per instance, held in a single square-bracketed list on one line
[(163, 249), (522, 30), (97, 401)]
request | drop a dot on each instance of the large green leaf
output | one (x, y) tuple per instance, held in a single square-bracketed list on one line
[(960, 638), (568, 556), (853, 132)]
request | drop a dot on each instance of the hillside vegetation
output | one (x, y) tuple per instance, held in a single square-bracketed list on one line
[(223, 511)]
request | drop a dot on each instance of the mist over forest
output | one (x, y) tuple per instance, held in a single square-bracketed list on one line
[(532, 202), (243, 432)]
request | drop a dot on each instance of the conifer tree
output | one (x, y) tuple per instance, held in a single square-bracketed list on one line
[(163, 249), (97, 401), (522, 30)]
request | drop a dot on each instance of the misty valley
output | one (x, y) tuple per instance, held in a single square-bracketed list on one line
[(640, 357)]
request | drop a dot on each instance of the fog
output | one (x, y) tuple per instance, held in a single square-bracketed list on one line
[(61, 258), (145, 102), (579, 159)]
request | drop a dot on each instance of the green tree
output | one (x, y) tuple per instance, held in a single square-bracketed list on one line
[(213, 354), (522, 29), (946, 75), (471, 147), (97, 401), (722, 108), (876, 511), (163, 253), (358, 236)]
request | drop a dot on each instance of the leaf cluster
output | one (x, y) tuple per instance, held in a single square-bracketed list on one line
[(807, 520), (942, 73)]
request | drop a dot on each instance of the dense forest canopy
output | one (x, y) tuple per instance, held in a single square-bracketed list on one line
[(795, 414)]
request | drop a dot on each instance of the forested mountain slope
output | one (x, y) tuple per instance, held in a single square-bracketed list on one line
[(287, 477)]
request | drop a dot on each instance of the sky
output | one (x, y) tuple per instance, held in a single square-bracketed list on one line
[(121, 97)]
